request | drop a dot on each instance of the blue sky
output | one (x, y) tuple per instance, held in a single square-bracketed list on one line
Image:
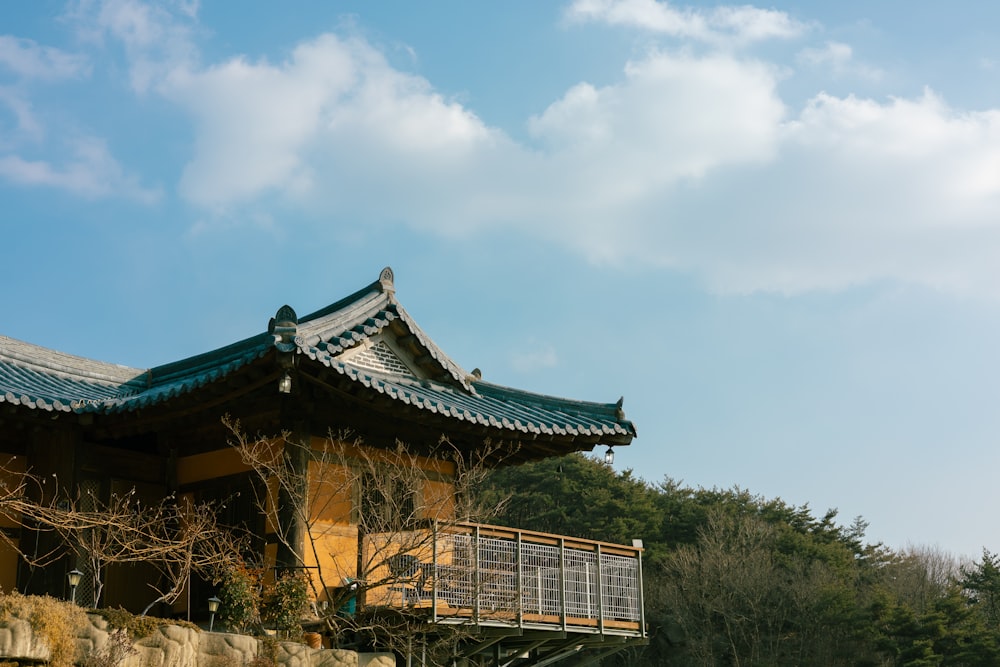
[(775, 230)]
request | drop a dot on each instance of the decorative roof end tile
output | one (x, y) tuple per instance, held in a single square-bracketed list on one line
[(385, 279)]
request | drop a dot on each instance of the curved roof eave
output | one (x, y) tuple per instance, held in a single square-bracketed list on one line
[(493, 406), (39, 378)]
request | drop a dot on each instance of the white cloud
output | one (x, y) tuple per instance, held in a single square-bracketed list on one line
[(189, 8), (30, 60), (537, 357), (835, 54), (28, 125), (686, 161), (29, 63), (91, 173), (157, 36), (45, 147), (733, 25), (337, 130), (670, 117), (262, 127), (752, 24), (862, 191), (839, 59), (666, 127)]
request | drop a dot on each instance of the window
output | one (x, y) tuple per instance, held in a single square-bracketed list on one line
[(388, 503)]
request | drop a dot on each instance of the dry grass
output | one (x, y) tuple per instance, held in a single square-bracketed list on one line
[(56, 622), (137, 626)]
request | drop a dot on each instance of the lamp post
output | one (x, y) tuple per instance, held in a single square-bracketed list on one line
[(213, 606), (74, 577)]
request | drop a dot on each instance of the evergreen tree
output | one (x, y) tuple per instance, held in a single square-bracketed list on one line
[(731, 577)]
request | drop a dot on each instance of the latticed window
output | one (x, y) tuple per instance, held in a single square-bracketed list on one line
[(387, 503), (90, 490)]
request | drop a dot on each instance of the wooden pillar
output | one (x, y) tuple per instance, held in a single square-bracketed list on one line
[(293, 495), (292, 501), (51, 458)]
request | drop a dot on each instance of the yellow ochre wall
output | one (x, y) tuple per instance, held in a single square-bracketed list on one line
[(332, 499), (210, 465)]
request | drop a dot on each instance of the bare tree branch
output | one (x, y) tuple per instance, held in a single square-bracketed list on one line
[(367, 515), (177, 537)]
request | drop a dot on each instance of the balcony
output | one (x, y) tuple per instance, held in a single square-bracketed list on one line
[(520, 580)]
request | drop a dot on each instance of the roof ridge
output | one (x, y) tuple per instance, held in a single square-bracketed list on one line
[(340, 304), (186, 366)]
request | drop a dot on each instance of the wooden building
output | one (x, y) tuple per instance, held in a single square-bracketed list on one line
[(360, 365)]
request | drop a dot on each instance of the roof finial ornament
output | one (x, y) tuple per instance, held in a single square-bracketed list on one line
[(284, 325), (386, 278), (619, 411)]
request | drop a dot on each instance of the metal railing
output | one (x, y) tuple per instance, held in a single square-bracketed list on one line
[(492, 575)]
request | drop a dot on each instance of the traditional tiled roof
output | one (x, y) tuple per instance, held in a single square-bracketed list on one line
[(493, 405), (36, 377), (33, 377), (40, 378)]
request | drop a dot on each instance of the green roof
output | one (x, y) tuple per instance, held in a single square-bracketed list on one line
[(366, 338)]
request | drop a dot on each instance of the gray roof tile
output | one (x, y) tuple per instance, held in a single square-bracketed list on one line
[(42, 379)]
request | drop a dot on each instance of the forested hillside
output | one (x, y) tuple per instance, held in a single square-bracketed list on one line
[(732, 578)]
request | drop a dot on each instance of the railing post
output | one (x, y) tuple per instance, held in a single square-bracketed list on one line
[(434, 570), (600, 591), (477, 575), (540, 590), (520, 582), (642, 606), (562, 582)]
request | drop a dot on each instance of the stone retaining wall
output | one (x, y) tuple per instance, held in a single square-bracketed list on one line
[(176, 646)]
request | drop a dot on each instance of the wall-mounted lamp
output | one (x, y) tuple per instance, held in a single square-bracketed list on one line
[(213, 606), (609, 456), (73, 576), (285, 383)]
